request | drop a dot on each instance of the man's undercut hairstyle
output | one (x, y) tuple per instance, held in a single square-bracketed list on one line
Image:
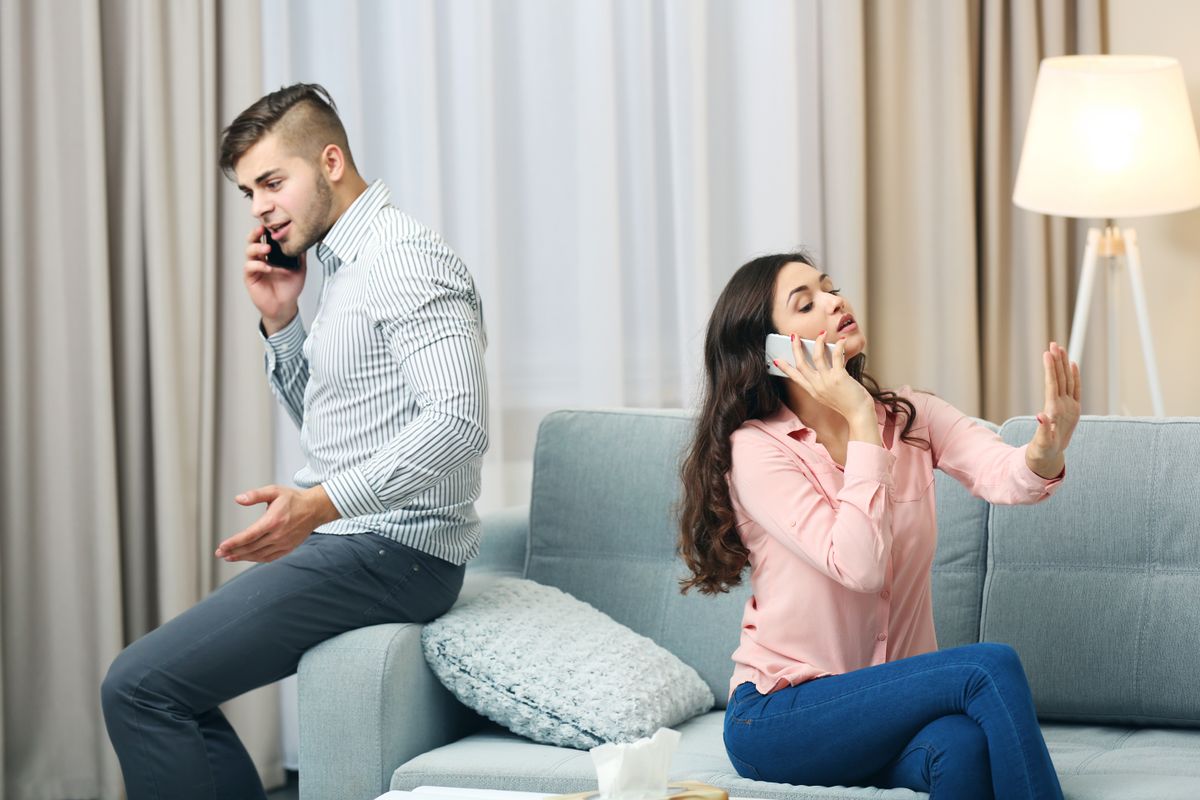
[(303, 115)]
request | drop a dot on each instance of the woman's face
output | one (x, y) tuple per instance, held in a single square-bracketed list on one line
[(807, 303)]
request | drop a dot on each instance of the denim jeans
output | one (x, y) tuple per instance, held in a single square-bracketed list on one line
[(956, 723), (161, 694)]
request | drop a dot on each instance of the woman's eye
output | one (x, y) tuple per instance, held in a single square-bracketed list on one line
[(273, 185), (806, 309), (835, 291)]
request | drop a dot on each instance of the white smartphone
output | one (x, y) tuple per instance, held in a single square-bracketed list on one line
[(779, 347)]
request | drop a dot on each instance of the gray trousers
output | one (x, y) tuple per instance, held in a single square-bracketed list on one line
[(161, 693)]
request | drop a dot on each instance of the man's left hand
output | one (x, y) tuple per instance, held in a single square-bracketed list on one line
[(290, 517)]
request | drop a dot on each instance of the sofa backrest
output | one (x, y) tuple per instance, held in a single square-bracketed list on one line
[(1099, 589), (602, 527)]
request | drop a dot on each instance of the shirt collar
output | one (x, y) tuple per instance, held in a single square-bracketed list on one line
[(344, 240), (784, 421)]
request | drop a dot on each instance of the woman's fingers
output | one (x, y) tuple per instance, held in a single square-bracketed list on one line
[(1051, 379), (819, 356), (794, 374), (1060, 374), (1075, 386), (839, 353)]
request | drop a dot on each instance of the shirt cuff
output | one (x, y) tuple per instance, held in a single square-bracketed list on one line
[(1035, 484), (284, 343), (869, 462), (351, 495)]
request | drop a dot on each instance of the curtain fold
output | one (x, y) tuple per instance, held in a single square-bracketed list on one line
[(132, 402), (924, 108)]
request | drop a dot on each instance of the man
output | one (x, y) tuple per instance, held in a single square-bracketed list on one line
[(388, 389)]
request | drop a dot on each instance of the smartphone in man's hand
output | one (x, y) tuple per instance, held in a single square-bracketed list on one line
[(277, 258)]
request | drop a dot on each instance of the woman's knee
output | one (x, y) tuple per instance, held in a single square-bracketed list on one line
[(997, 655)]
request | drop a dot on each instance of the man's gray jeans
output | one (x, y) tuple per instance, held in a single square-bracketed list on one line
[(161, 694)]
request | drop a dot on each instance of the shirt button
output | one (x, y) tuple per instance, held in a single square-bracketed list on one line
[(885, 594), (881, 637)]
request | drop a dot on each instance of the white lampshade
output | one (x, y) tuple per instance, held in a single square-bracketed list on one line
[(1109, 136)]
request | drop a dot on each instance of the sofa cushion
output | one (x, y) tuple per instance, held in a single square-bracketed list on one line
[(1110, 763), (496, 759), (1097, 763), (554, 669), (605, 489), (960, 563), (1098, 589)]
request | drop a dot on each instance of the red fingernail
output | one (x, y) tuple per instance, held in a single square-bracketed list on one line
[(822, 333), (793, 337), (775, 361)]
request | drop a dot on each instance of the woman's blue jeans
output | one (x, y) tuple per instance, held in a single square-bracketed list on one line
[(956, 723)]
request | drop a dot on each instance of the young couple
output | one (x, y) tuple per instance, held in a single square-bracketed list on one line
[(819, 481)]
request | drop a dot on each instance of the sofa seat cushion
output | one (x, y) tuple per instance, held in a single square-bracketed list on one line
[(1113, 763), (1093, 763), (497, 759)]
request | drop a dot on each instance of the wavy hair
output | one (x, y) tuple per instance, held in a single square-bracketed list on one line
[(737, 387)]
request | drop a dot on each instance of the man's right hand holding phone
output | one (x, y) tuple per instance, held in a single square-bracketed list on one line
[(275, 291)]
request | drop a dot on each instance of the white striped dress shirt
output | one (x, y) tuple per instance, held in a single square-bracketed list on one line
[(388, 386)]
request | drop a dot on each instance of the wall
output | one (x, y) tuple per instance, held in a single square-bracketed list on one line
[(1170, 245)]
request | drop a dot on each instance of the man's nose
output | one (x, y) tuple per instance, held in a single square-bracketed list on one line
[(259, 206)]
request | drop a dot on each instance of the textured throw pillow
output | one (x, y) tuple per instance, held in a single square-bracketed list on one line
[(556, 670)]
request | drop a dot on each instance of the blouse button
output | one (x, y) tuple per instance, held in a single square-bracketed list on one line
[(881, 637), (885, 594)]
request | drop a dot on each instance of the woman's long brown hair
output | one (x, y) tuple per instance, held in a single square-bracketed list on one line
[(737, 387)]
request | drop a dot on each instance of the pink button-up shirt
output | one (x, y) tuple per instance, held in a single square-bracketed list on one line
[(840, 558)]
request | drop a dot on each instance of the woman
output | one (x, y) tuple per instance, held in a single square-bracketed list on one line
[(822, 483)]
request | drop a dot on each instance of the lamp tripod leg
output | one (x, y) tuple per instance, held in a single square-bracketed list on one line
[(1083, 299), (1133, 259)]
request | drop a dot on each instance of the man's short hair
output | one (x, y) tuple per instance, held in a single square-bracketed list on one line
[(304, 116)]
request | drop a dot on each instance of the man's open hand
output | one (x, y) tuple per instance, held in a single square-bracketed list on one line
[(290, 517)]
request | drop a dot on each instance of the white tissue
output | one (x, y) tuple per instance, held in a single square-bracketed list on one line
[(636, 770)]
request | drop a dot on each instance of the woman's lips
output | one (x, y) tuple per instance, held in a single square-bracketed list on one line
[(853, 326)]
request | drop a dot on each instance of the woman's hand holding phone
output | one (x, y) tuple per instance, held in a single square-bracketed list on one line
[(827, 380), (275, 291)]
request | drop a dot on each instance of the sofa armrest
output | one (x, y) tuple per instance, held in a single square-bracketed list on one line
[(504, 542), (369, 703)]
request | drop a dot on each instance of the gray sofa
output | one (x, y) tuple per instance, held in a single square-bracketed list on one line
[(1098, 590)]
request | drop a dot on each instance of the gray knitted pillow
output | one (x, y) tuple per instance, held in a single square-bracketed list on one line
[(556, 670)]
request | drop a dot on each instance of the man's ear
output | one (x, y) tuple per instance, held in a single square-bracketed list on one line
[(333, 161)]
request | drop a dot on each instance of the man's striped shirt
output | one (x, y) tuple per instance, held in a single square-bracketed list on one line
[(388, 386)]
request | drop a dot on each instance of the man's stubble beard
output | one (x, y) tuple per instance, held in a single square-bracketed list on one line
[(317, 224)]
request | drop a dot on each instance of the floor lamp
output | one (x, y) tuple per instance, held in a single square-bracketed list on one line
[(1110, 137)]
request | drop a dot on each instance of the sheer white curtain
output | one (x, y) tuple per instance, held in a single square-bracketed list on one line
[(602, 167)]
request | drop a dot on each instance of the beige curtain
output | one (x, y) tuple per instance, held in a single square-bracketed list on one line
[(924, 105), (132, 401)]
